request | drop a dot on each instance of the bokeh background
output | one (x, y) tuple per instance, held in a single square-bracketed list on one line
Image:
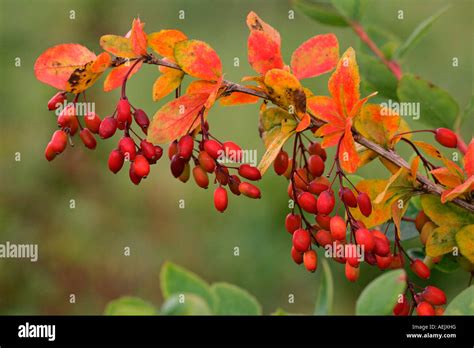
[(81, 249)]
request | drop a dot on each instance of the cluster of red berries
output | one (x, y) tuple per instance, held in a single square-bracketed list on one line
[(428, 303), (208, 159)]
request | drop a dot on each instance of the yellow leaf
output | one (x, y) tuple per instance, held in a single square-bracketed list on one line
[(465, 241), (273, 150), (167, 83), (381, 212), (441, 241)]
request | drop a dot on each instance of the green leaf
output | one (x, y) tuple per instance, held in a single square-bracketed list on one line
[(462, 304), (321, 12), (378, 76), (437, 107), (129, 305), (350, 9), (468, 111), (185, 304), (232, 300), (445, 214), (380, 296), (418, 33), (416, 253), (280, 312), (447, 264), (324, 300), (177, 280)]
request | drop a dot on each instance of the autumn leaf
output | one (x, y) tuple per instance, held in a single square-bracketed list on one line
[(373, 124), (445, 214), (441, 241), (163, 41), (117, 75), (432, 151), (101, 63), (255, 23), (238, 98), (198, 59), (285, 90), (446, 177), (55, 65), (167, 82), (315, 56), (467, 186), (176, 118), (263, 53), (469, 159), (273, 150), (274, 121), (138, 38), (81, 79), (348, 155), (465, 241), (118, 46)]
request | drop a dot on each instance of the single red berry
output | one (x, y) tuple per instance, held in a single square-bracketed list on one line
[(301, 178), (141, 119), (232, 151), (172, 149), (140, 165), (425, 309), (56, 100), (446, 137), (220, 199), (310, 259), (352, 273), (148, 150), (200, 176), (206, 162), (326, 202), (133, 176), (365, 238), (88, 138), (296, 256), (249, 190), (234, 182), (116, 160), (124, 116), (316, 165), (316, 149), (397, 261), (383, 262), (185, 146), (382, 244), (213, 148), (92, 122), (49, 152), (281, 162), (249, 172), (434, 295), (365, 206), (222, 175), (402, 308), (420, 269), (324, 238), (58, 141), (292, 222), (348, 197), (158, 152), (324, 221), (351, 255), (301, 240), (126, 146), (337, 226), (177, 165), (318, 185), (308, 202), (289, 169), (107, 128)]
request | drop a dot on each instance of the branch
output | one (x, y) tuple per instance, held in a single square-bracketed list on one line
[(427, 185)]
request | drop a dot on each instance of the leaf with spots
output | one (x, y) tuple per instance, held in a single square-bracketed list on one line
[(255, 23), (163, 41), (263, 53), (198, 59), (441, 241), (138, 38), (445, 214), (373, 123), (55, 65), (167, 82), (118, 46), (117, 75), (274, 121), (286, 91), (465, 241)]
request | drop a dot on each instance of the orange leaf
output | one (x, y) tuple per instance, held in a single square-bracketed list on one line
[(163, 42), (138, 38), (117, 75), (304, 123), (101, 63), (315, 56), (167, 82), (200, 86), (344, 83), (213, 94), (238, 98), (198, 59), (176, 118), (285, 90), (263, 53), (325, 109), (82, 78), (467, 186), (348, 156), (372, 124), (447, 178), (434, 152), (255, 23), (118, 45), (469, 159), (414, 167), (55, 65)]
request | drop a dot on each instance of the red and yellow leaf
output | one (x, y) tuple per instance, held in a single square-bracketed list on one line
[(315, 56), (467, 186), (163, 41), (446, 177), (325, 109), (138, 38), (469, 159), (285, 90), (272, 122), (118, 46), (255, 23), (55, 65), (263, 52), (213, 94), (101, 63), (304, 123), (348, 156), (81, 79), (200, 86), (167, 82), (198, 59), (414, 168), (372, 124), (238, 98), (117, 75), (435, 153)]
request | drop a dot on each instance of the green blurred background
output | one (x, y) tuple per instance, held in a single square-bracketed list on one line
[(81, 249)]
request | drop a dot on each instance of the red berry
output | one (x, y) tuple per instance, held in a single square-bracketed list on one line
[(177, 165), (92, 122), (383, 262), (402, 308), (172, 149), (425, 309), (365, 206), (148, 150), (185, 146), (232, 151), (116, 160), (126, 146), (337, 226), (397, 261), (140, 165), (324, 238), (56, 100), (220, 199), (249, 172), (88, 138), (352, 273), (222, 175), (310, 259), (318, 185), (316, 165), (281, 162), (316, 149), (420, 269), (301, 178), (158, 152), (420, 220), (364, 237), (133, 176), (324, 221), (49, 153), (107, 128), (326, 202), (206, 162), (434, 295), (382, 244), (296, 256), (351, 255), (124, 115), (249, 190), (234, 183), (348, 197), (307, 201), (213, 148), (446, 137), (292, 222), (200, 176), (58, 141), (141, 119), (301, 240), (66, 115)]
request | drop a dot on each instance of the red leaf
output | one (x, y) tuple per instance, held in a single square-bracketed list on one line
[(55, 65), (263, 53), (163, 42), (116, 76), (315, 56), (255, 23), (325, 109), (466, 186), (138, 38), (198, 59), (446, 177), (469, 159)]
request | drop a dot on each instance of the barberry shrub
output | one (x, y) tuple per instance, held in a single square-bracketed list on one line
[(331, 208)]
